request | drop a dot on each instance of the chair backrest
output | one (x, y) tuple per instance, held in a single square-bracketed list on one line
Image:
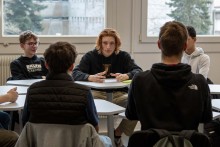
[(58, 135), (149, 138)]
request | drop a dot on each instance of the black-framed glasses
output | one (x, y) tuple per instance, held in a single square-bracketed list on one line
[(33, 43)]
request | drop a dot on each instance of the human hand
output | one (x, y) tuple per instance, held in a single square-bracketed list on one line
[(12, 95), (120, 77), (99, 77)]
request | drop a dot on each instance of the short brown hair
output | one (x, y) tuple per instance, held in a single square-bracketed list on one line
[(60, 56), (26, 35), (108, 32), (172, 37)]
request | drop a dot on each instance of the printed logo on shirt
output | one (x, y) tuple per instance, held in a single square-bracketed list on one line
[(193, 87), (34, 67)]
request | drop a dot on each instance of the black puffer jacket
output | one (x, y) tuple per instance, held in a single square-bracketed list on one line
[(57, 101)]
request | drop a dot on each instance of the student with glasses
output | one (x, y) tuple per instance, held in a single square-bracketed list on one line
[(29, 65)]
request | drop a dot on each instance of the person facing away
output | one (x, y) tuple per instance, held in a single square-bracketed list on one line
[(7, 138), (108, 61), (58, 100), (29, 65), (169, 96), (195, 56)]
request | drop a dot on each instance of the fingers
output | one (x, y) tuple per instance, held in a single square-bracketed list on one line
[(122, 77), (15, 88), (96, 78), (115, 74), (101, 73)]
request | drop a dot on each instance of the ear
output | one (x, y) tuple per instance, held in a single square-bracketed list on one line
[(195, 39), (46, 65), (71, 67), (185, 45), (22, 45), (158, 44)]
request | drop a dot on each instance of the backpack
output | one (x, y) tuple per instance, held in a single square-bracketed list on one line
[(212, 130), (150, 137), (174, 139)]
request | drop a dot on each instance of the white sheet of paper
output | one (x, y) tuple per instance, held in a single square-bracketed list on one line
[(110, 80)]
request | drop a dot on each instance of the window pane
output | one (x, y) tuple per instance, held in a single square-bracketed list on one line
[(54, 17), (204, 15)]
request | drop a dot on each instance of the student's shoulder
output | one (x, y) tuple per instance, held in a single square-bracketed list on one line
[(123, 53), (200, 80), (18, 60), (91, 53), (143, 75)]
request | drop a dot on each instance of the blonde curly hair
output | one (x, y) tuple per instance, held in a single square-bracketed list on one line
[(108, 32)]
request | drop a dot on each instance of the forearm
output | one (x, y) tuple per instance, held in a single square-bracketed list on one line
[(4, 98)]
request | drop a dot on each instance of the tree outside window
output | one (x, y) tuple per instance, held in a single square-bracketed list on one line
[(201, 14), (54, 17)]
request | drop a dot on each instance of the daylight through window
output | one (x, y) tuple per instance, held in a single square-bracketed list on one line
[(54, 17)]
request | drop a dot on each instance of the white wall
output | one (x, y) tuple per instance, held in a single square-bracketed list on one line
[(125, 16)]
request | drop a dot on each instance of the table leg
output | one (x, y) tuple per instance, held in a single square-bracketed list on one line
[(110, 124), (110, 120), (20, 120), (11, 123), (109, 96)]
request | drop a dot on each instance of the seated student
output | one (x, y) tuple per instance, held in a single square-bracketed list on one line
[(64, 102), (7, 138), (28, 66), (195, 56), (169, 96), (108, 61)]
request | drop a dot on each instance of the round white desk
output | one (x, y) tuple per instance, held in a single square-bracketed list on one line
[(16, 106), (23, 82), (20, 89)]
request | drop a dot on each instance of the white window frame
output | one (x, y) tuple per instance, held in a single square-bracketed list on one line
[(110, 7), (146, 39)]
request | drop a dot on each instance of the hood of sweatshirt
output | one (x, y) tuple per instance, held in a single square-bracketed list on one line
[(172, 76), (198, 51)]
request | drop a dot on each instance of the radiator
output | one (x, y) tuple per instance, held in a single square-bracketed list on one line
[(5, 61)]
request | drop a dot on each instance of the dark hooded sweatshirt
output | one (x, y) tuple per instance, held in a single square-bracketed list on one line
[(169, 97)]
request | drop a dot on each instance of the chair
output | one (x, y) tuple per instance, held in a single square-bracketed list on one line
[(213, 96), (58, 135), (148, 138)]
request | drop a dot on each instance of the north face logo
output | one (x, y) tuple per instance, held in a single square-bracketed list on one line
[(193, 87)]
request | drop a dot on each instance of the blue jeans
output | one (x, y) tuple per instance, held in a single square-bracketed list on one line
[(4, 120)]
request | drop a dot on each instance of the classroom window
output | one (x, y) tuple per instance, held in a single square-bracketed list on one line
[(203, 15), (54, 17)]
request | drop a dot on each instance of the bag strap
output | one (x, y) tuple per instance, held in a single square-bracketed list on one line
[(164, 133), (187, 133), (183, 134), (161, 132)]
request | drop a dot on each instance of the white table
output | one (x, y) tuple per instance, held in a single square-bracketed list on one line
[(108, 109), (108, 85), (214, 88), (20, 89), (215, 115), (216, 104), (16, 106), (23, 82)]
